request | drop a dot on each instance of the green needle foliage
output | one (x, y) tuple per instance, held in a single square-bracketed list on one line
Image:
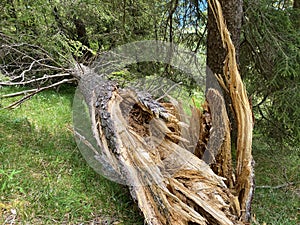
[(67, 30), (270, 63)]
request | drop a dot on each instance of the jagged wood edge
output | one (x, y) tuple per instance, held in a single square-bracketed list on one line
[(233, 84)]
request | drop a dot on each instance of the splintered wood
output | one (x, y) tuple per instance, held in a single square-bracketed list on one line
[(244, 186), (171, 185), (178, 174)]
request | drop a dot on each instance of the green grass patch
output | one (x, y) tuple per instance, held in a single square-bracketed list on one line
[(277, 171), (45, 180), (43, 177)]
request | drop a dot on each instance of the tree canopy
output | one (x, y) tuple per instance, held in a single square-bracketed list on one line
[(53, 33)]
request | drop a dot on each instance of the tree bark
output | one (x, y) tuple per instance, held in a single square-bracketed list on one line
[(296, 4), (222, 62), (296, 14), (145, 144), (170, 184), (232, 12)]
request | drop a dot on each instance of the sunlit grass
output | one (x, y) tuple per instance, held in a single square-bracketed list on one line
[(45, 180), (43, 177)]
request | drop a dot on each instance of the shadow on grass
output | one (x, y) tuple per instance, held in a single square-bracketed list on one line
[(43, 177), (45, 180)]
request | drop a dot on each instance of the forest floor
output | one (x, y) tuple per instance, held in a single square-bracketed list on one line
[(45, 180)]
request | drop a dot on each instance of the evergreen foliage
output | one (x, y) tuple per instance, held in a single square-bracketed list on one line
[(67, 30), (270, 63)]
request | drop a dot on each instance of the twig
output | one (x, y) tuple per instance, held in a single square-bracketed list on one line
[(18, 51), (22, 75), (34, 80), (168, 91), (52, 67), (84, 140), (18, 93), (276, 187), (17, 103)]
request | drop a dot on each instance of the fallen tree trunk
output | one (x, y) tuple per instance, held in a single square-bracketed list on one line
[(170, 184), (144, 144)]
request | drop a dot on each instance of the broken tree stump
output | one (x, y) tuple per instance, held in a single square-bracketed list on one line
[(171, 185), (144, 144)]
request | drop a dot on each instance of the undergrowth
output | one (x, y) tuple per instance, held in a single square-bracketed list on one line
[(277, 172), (43, 177), (45, 180)]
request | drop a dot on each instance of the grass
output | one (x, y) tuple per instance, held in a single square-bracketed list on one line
[(43, 177), (276, 165), (45, 180)]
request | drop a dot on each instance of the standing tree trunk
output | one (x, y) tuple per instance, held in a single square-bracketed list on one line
[(232, 13), (222, 65), (296, 14)]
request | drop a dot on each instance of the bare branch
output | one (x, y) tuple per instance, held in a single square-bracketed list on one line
[(18, 93), (45, 77), (277, 187), (168, 91), (19, 102), (22, 75)]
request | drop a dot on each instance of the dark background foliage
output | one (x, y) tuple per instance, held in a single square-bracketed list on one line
[(65, 30)]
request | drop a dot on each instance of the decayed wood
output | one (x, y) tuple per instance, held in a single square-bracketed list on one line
[(170, 184), (150, 148), (218, 147)]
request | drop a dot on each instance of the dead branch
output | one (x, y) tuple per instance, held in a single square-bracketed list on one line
[(277, 186), (168, 91), (45, 77), (11, 95), (22, 61), (22, 75), (34, 92), (24, 64)]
